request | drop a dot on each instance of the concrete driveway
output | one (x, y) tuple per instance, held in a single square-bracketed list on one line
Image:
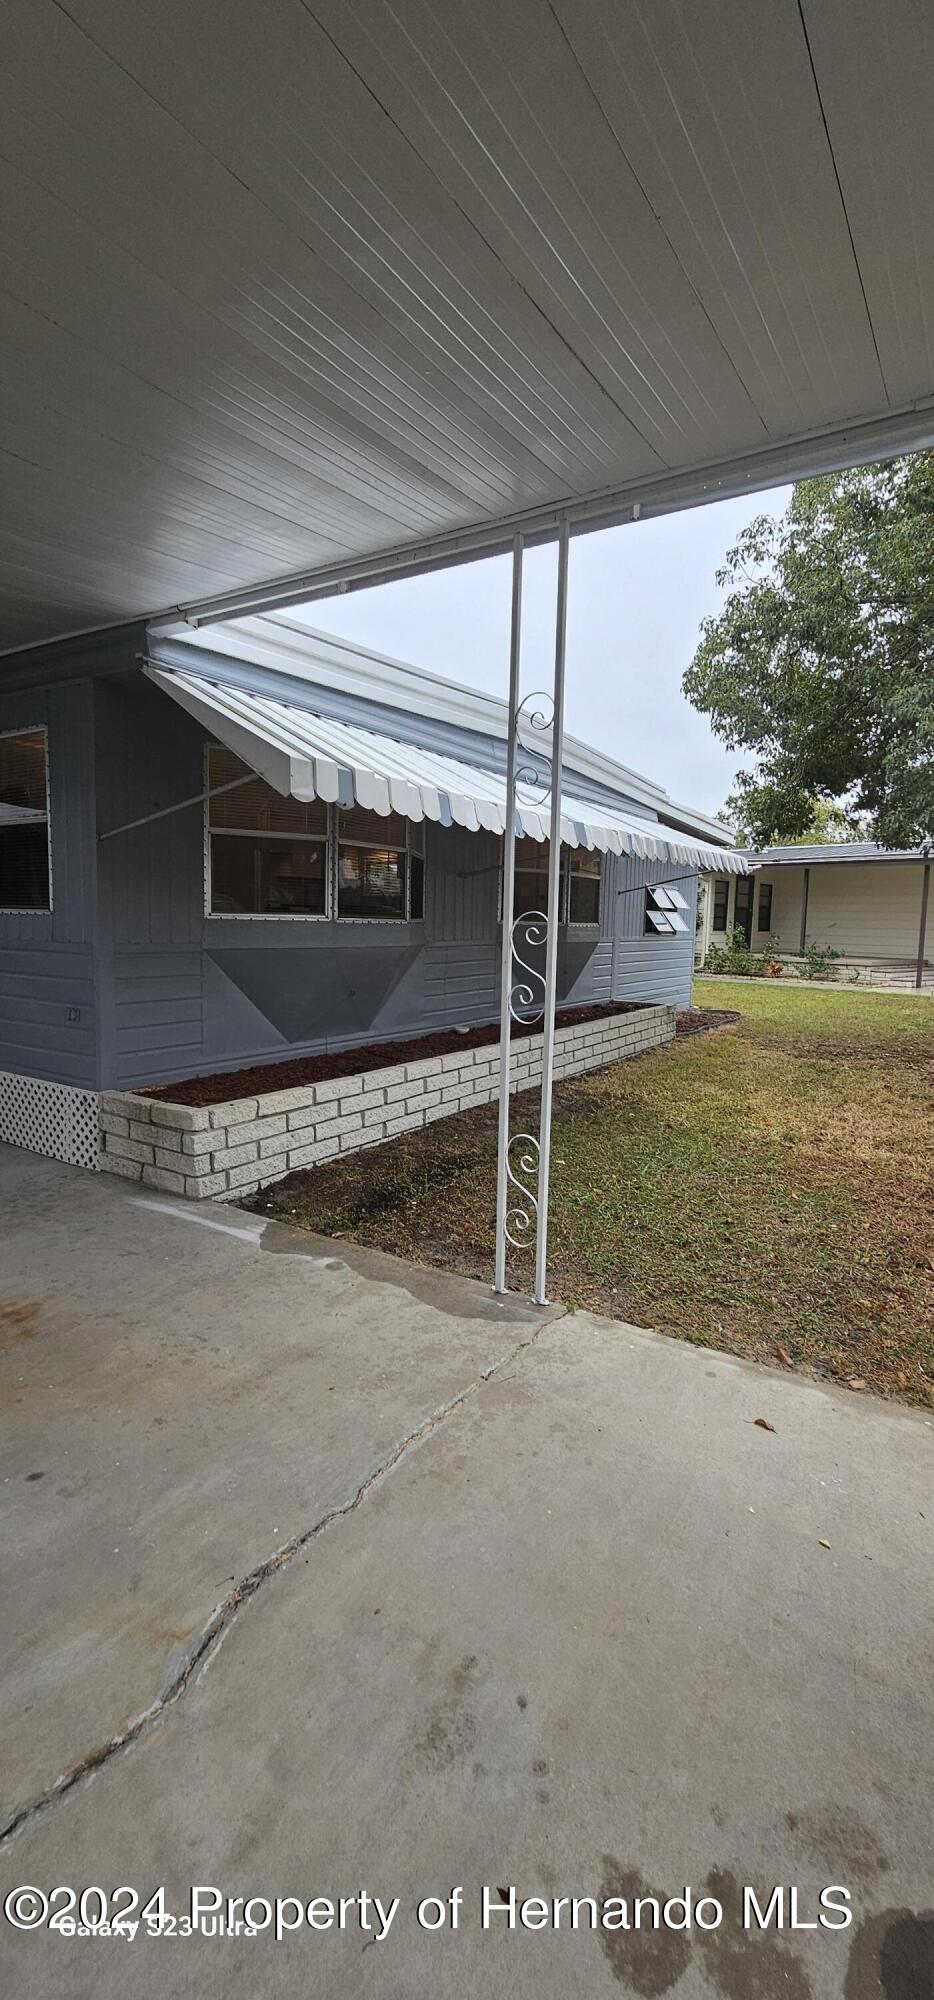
[(323, 1575)]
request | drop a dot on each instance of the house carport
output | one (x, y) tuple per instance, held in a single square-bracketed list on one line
[(297, 310)]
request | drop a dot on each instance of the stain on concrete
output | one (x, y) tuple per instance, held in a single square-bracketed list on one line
[(838, 1837), (19, 1318), (892, 1957), (463, 1673), (449, 1731), (747, 1965), (647, 1962), (448, 1735)]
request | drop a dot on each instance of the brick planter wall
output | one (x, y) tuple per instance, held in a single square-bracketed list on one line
[(235, 1148)]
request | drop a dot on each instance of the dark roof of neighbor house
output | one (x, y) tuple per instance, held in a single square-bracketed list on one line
[(832, 851)]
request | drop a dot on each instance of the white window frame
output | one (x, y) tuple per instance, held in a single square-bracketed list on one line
[(583, 923), (410, 850), (760, 929), (262, 916), (719, 930), (35, 909), (564, 884), (332, 843)]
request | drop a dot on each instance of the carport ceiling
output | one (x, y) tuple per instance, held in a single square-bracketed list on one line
[(285, 286)]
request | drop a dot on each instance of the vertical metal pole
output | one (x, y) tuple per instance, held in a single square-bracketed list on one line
[(922, 927), (509, 881), (551, 943), (805, 885)]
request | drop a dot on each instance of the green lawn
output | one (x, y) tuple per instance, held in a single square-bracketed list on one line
[(768, 1185)]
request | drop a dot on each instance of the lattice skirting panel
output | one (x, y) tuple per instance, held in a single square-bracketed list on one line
[(50, 1118)]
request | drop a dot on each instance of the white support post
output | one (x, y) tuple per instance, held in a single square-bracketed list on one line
[(551, 942), (508, 914)]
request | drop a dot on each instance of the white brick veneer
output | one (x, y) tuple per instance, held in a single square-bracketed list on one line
[(234, 1148)]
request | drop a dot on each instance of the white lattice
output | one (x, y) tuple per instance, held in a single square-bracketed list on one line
[(50, 1118)]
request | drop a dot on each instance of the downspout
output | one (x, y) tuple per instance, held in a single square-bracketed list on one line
[(805, 886)]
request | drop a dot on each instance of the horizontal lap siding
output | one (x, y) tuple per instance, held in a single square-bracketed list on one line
[(47, 1014), (866, 909), (461, 984), (157, 1014), (586, 975), (785, 923)]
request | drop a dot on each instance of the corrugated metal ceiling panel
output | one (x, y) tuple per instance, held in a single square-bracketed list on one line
[(286, 287)]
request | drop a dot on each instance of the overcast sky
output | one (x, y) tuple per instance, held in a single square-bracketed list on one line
[(636, 598)]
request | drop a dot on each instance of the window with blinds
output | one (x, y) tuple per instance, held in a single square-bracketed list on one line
[(25, 877), (579, 882), (379, 873), (268, 855)]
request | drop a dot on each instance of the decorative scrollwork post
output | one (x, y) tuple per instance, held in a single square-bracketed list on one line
[(509, 906), (527, 993), (525, 1004)]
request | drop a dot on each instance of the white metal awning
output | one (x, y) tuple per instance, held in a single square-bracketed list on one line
[(308, 756)]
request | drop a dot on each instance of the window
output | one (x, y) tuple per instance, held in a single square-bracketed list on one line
[(279, 857), (663, 911), (377, 877), (531, 876), (721, 903), (742, 906), (584, 871), (268, 854), (764, 920), (25, 882), (578, 888)]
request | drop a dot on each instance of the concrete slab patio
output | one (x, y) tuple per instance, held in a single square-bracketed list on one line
[(374, 1584)]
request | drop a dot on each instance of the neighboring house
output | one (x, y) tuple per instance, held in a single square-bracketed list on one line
[(342, 884), (868, 903)]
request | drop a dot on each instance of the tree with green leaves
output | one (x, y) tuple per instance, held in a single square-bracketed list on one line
[(821, 662)]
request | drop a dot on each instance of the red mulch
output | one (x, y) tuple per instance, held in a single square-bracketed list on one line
[(697, 1020), (225, 1084)]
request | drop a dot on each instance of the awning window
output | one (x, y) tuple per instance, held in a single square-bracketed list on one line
[(663, 907)]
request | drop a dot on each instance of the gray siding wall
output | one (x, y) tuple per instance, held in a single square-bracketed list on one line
[(192, 992), (651, 967), (160, 990), (48, 987)]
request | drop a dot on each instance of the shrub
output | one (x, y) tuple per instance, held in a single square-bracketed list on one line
[(819, 961), (739, 959)]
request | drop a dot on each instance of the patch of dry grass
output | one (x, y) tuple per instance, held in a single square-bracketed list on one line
[(770, 1185)]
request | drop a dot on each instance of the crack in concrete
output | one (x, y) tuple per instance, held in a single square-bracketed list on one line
[(218, 1625)]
